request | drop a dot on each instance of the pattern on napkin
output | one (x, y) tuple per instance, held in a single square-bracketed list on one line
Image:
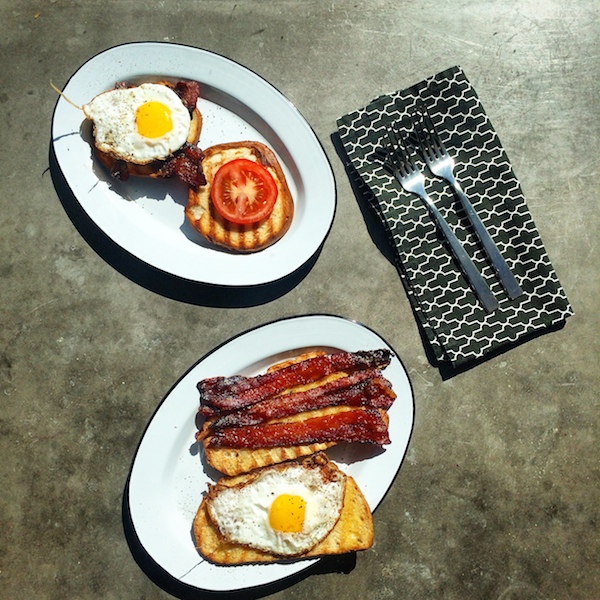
[(455, 324)]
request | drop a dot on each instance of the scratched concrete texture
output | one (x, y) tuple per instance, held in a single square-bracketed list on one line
[(498, 496)]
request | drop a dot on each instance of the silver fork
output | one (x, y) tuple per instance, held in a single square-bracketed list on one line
[(440, 163), (400, 162)]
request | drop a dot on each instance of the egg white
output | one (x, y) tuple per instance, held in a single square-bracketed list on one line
[(241, 513), (115, 133)]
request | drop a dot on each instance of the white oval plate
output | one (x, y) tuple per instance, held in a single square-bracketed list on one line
[(145, 217), (169, 476)]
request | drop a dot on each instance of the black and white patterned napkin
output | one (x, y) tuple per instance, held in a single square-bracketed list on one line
[(455, 324)]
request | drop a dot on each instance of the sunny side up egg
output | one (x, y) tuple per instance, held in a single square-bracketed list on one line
[(139, 124), (283, 511)]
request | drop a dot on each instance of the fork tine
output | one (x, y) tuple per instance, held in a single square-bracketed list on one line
[(392, 135), (432, 136), (388, 151), (402, 156), (423, 138), (389, 154), (395, 145)]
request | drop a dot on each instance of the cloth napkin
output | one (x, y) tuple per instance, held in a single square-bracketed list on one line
[(454, 324)]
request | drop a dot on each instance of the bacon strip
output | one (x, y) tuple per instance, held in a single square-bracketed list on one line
[(355, 425), (189, 92), (365, 388), (232, 393), (185, 163), (269, 403)]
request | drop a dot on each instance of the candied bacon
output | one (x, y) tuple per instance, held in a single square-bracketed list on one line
[(186, 164), (365, 388), (297, 398), (364, 425), (188, 92), (231, 393)]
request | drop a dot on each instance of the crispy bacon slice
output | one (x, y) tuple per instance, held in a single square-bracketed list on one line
[(364, 388), (231, 393), (364, 425), (186, 164), (189, 92)]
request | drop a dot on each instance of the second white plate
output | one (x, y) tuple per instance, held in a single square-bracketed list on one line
[(145, 217), (168, 476)]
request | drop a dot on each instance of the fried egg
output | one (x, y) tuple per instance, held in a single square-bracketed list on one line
[(139, 124), (283, 511)]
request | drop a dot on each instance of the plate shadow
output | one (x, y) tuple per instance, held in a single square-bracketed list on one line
[(161, 282)]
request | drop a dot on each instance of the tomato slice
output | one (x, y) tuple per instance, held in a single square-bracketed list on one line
[(243, 191)]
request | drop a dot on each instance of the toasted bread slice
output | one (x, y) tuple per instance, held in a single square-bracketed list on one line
[(153, 168), (204, 217), (352, 532)]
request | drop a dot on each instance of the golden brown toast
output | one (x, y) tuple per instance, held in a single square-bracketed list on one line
[(203, 216), (352, 532)]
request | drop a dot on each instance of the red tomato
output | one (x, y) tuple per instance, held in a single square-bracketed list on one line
[(243, 191)]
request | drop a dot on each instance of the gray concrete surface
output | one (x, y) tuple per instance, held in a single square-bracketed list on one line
[(498, 496)]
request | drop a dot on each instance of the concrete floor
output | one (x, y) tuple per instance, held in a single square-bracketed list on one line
[(498, 496)]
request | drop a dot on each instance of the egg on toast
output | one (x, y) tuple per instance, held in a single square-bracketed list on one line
[(148, 130), (302, 509)]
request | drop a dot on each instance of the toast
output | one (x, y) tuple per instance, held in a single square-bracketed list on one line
[(122, 169), (204, 217), (352, 532), (235, 461)]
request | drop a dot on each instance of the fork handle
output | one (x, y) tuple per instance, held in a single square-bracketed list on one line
[(506, 277), (471, 272)]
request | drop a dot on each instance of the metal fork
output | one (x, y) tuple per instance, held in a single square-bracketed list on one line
[(440, 163), (399, 160)]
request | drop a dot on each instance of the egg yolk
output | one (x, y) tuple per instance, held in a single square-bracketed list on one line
[(287, 513), (153, 119)]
